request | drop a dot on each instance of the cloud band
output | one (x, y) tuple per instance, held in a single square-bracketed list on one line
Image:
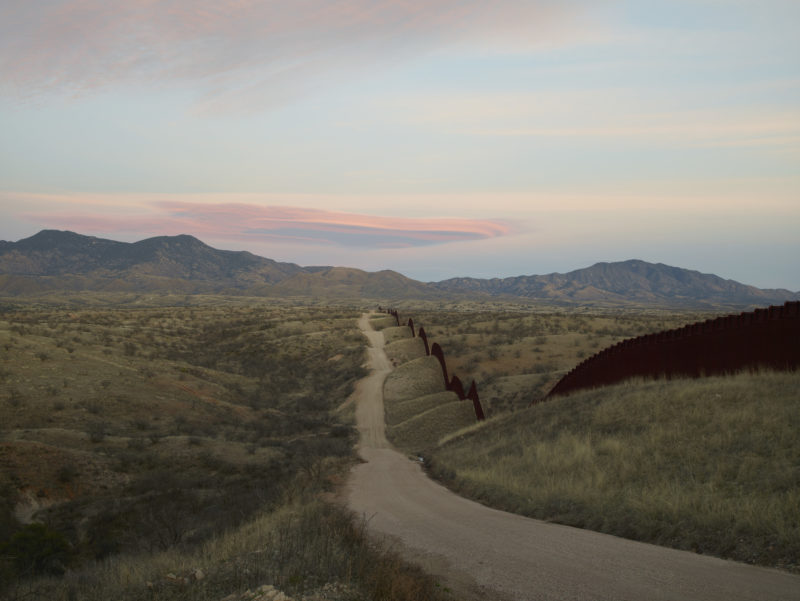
[(241, 221)]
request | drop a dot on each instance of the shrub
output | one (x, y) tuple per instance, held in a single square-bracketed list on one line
[(97, 432), (36, 549), (67, 473), (15, 398)]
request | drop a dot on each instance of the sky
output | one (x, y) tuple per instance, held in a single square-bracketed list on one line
[(437, 138)]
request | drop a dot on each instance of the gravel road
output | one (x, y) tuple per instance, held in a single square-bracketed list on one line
[(485, 554)]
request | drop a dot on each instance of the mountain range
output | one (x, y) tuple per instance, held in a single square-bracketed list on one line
[(60, 261)]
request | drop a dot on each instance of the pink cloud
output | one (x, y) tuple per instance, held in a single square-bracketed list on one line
[(234, 48), (241, 222)]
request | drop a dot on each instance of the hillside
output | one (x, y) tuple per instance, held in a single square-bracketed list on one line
[(57, 261), (54, 260), (707, 465), (86, 262), (341, 282), (156, 454), (622, 282)]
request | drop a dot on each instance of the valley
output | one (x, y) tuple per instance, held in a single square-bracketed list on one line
[(184, 423), (181, 453)]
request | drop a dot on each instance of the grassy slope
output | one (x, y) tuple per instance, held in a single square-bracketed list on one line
[(422, 432), (169, 439), (418, 377), (403, 351), (517, 356), (397, 413), (709, 465), (419, 411)]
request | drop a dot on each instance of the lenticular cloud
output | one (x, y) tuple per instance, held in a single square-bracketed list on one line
[(329, 227), (243, 221)]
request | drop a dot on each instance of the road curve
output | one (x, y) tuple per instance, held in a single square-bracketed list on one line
[(482, 553)]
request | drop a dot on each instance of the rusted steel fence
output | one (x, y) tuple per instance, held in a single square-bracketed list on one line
[(764, 338), (453, 384)]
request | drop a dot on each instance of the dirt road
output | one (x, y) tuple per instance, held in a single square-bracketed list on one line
[(482, 553)]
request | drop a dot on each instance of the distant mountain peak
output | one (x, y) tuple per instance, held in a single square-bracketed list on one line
[(183, 262), (632, 281), (56, 260), (56, 236), (176, 239)]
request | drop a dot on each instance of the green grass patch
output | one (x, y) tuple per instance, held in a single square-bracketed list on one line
[(709, 465)]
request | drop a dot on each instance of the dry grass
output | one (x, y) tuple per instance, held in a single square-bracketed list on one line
[(398, 412), (403, 351), (419, 411), (380, 322), (514, 357), (163, 439), (416, 378), (421, 433), (517, 356), (302, 548), (709, 465), (396, 333)]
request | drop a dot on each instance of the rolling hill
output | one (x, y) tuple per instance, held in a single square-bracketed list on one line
[(53, 260), (622, 282), (60, 261)]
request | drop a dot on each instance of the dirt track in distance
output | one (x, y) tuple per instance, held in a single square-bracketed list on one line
[(485, 554)]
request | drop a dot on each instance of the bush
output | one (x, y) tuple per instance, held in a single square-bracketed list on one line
[(97, 432), (36, 549), (67, 473)]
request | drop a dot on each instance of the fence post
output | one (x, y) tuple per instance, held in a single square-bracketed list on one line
[(437, 352), (425, 340)]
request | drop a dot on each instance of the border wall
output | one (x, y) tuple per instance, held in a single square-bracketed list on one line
[(453, 384), (764, 338)]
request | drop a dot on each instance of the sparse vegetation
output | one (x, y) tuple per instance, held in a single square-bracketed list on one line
[(160, 442), (187, 436), (708, 465), (516, 356)]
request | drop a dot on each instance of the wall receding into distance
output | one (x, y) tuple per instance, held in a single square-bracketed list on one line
[(764, 338)]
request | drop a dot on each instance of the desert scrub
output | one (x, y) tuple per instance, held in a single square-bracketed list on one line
[(508, 352), (177, 425), (300, 547), (708, 465)]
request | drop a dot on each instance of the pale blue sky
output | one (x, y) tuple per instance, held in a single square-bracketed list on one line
[(540, 136)]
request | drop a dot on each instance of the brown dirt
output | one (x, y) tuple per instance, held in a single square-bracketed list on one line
[(482, 553), (44, 475)]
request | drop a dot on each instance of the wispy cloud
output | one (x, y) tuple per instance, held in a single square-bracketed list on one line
[(625, 114), (249, 222), (709, 129), (234, 52)]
